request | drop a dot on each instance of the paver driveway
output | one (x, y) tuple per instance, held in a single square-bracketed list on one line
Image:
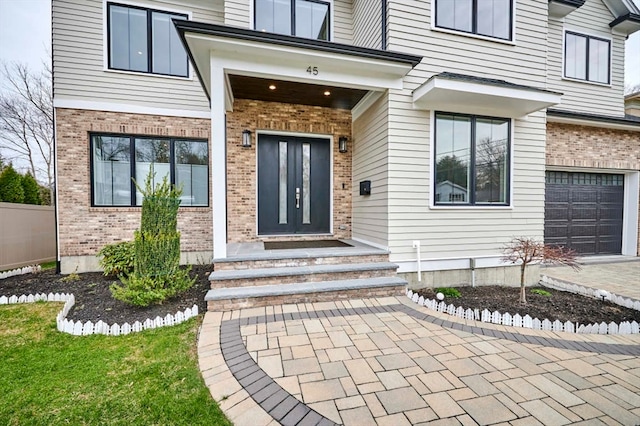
[(390, 362)]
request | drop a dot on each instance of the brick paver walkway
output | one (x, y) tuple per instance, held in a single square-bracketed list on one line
[(391, 362)]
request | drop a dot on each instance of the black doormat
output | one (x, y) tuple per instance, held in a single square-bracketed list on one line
[(284, 245)]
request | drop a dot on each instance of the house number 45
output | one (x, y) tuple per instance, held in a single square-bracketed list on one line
[(312, 70)]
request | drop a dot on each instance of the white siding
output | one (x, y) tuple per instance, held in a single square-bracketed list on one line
[(236, 13), (79, 63), (592, 19), (523, 61), (367, 23), (457, 233), (473, 231), (370, 162), (342, 22)]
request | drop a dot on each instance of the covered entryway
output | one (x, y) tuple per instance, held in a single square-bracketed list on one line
[(294, 185), (584, 211)]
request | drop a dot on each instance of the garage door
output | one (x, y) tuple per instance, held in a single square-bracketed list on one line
[(583, 211)]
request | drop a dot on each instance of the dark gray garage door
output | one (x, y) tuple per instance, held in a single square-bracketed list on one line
[(584, 211)]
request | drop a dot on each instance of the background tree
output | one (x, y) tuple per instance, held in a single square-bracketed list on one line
[(453, 169), (526, 251), (26, 119), (11, 190), (31, 190)]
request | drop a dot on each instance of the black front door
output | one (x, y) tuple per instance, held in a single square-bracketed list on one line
[(293, 185)]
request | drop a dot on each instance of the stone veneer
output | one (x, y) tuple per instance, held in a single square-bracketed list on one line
[(585, 147), (241, 162), (83, 229)]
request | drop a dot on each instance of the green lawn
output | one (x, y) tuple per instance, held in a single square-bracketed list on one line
[(148, 378)]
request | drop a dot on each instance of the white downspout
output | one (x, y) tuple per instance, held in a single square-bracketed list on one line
[(416, 245)]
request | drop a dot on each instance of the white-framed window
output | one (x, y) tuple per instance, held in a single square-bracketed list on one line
[(489, 18), (587, 58), (144, 40), (301, 18), (118, 159), (472, 160)]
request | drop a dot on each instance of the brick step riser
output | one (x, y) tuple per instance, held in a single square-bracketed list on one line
[(329, 296), (289, 279), (307, 261)]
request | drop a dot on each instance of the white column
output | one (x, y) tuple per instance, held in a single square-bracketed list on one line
[(630, 215), (218, 161)]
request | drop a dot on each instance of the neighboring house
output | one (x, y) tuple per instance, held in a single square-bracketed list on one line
[(270, 114), (632, 103)]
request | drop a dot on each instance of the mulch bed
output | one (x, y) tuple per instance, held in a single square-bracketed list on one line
[(561, 305), (93, 298), (94, 301)]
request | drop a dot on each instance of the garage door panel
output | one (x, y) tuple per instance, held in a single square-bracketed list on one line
[(584, 211)]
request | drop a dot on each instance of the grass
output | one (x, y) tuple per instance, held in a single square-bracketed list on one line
[(48, 265), (50, 378)]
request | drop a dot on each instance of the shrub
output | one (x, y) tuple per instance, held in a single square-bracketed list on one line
[(11, 186), (448, 292), (117, 259), (540, 292), (156, 272), (31, 190)]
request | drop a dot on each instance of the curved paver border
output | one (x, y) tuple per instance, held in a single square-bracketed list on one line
[(288, 410)]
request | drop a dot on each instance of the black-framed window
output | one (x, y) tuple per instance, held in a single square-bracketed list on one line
[(587, 58), (116, 159), (145, 40), (491, 18), (472, 160), (302, 18)]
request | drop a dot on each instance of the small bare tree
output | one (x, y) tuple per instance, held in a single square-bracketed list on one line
[(526, 251), (26, 118)]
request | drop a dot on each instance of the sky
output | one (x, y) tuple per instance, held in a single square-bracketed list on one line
[(25, 34)]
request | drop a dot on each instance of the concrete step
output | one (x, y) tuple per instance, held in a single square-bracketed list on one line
[(300, 258), (293, 274), (224, 299)]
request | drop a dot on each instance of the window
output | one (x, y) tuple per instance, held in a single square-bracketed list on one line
[(145, 40), (586, 58), (472, 160), (116, 159), (491, 18), (302, 18)]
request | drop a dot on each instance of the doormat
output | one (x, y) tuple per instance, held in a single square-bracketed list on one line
[(284, 245)]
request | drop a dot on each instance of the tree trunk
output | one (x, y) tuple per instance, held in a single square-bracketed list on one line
[(523, 293)]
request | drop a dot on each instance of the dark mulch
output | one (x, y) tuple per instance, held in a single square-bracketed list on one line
[(561, 305), (93, 298)]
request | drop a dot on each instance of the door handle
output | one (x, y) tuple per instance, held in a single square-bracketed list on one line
[(297, 198)]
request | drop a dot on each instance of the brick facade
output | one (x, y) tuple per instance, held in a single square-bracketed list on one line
[(83, 230), (241, 162), (585, 147)]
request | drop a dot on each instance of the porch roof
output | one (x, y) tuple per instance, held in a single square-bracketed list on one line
[(265, 55)]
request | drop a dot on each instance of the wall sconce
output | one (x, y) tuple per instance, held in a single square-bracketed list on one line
[(342, 144), (246, 138)]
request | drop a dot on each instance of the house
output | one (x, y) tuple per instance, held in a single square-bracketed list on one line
[(273, 115), (632, 104)]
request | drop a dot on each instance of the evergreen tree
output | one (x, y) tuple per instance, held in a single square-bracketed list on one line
[(31, 190), (11, 186)]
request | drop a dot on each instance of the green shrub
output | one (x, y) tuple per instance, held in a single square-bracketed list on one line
[(11, 186), (31, 190), (117, 259), (448, 292), (156, 272), (540, 292)]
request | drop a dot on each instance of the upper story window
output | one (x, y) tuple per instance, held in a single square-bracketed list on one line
[(471, 160), (587, 58), (302, 18), (116, 159), (491, 18), (145, 40)]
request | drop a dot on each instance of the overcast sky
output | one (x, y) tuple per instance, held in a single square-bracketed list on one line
[(25, 34)]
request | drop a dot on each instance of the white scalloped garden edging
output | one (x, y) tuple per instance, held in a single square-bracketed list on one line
[(526, 321), (84, 329), (19, 271)]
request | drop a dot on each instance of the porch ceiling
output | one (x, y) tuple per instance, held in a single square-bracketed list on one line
[(290, 92)]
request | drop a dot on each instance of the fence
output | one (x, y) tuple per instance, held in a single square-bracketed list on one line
[(27, 235)]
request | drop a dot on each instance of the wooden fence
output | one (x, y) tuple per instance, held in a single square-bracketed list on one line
[(27, 235)]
